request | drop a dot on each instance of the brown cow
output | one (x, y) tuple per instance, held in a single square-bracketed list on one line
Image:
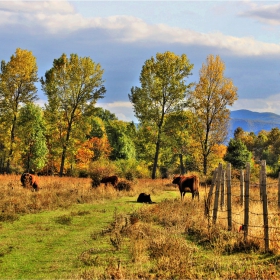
[(29, 181), (186, 184), (113, 180)]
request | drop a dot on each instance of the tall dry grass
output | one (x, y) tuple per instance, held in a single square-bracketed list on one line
[(170, 239), (62, 192)]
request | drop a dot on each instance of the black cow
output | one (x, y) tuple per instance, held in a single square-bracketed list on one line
[(113, 180), (29, 181), (187, 184), (143, 197)]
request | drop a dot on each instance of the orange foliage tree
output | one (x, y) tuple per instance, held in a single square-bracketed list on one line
[(92, 149)]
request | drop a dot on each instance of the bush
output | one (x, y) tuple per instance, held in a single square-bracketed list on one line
[(123, 186), (132, 169)]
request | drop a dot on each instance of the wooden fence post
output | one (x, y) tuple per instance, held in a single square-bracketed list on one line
[(260, 182), (228, 177), (216, 200), (223, 179), (246, 212), (209, 197), (241, 187), (264, 199)]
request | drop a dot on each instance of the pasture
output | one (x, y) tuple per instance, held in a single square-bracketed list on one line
[(69, 230)]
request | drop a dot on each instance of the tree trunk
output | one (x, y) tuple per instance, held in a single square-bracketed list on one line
[(156, 154), (62, 160), (12, 140), (204, 164), (182, 168), (63, 156), (156, 159)]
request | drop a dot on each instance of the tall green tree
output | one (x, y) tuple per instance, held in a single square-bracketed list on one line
[(120, 140), (163, 90), (211, 98), (237, 154), (177, 132), (17, 87), (32, 140), (72, 85)]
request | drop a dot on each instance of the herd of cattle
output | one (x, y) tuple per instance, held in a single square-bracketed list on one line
[(186, 184)]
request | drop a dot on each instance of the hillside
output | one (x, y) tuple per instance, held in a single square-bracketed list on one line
[(252, 121)]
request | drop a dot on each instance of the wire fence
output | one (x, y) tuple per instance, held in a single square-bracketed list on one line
[(256, 213)]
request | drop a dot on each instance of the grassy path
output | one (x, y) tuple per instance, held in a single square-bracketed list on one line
[(48, 244)]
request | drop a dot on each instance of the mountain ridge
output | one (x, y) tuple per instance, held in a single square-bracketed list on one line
[(251, 121)]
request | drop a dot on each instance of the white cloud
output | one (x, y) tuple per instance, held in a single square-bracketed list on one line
[(269, 104), (59, 17), (122, 110), (31, 7), (41, 102)]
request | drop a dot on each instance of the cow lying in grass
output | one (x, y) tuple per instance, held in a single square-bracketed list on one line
[(144, 198)]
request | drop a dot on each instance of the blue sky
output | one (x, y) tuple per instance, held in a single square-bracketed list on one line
[(122, 35)]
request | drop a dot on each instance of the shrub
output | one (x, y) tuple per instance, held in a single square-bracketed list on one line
[(123, 186), (132, 169)]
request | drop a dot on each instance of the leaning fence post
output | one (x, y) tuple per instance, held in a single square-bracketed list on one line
[(279, 191), (264, 199), (246, 210), (241, 187), (228, 176), (209, 197), (216, 200)]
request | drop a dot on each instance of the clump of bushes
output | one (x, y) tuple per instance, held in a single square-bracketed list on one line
[(123, 186), (132, 169)]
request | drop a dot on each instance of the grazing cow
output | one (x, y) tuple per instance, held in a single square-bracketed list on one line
[(113, 180), (143, 197), (29, 181), (187, 184)]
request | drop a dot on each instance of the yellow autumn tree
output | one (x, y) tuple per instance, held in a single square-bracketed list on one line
[(210, 100), (17, 87), (73, 85)]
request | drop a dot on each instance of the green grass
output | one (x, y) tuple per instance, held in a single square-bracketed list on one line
[(49, 244)]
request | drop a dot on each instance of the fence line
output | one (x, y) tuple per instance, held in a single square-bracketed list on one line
[(221, 180)]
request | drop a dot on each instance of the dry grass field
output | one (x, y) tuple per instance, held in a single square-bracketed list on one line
[(69, 230)]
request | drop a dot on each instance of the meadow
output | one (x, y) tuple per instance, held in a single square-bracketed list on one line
[(69, 230)]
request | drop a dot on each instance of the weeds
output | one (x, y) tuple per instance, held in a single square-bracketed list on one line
[(63, 220)]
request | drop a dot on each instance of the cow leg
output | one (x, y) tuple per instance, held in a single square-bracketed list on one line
[(183, 196)]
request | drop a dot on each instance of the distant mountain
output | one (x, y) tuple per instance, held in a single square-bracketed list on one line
[(249, 115), (252, 121)]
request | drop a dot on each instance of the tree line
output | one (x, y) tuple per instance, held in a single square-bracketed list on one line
[(251, 147), (182, 126)]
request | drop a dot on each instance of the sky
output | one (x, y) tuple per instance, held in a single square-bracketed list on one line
[(122, 35)]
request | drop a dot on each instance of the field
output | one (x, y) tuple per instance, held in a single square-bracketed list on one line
[(69, 230)]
